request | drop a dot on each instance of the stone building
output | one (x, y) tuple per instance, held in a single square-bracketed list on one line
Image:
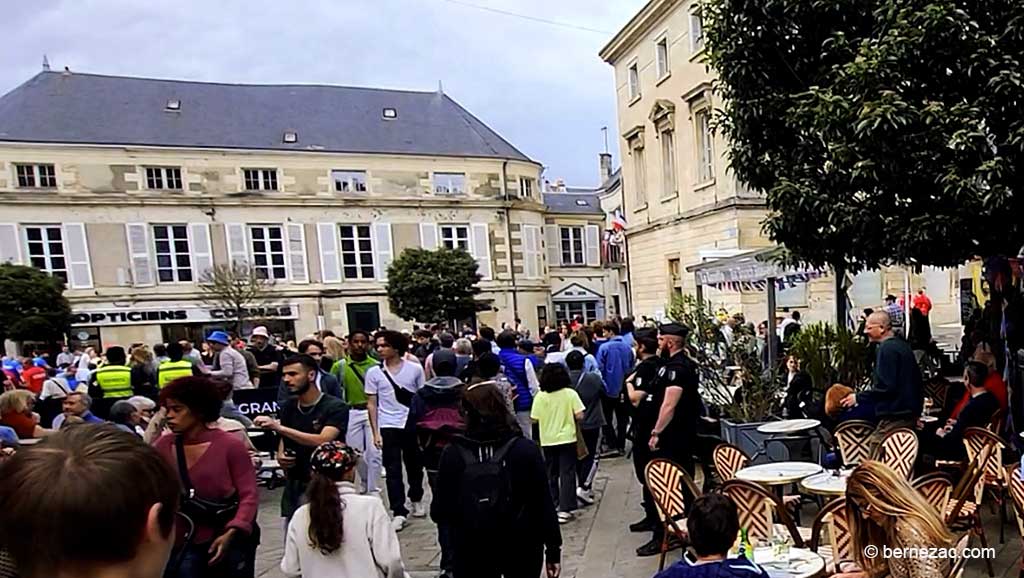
[(683, 206), (132, 188)]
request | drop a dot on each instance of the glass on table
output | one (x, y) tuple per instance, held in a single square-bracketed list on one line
[(926, 409)]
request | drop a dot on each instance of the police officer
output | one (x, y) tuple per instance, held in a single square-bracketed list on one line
[(676, 394), (111, 382), (640, 388), (175, 366)]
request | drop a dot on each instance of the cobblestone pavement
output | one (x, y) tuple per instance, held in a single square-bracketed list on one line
[(597, 544)]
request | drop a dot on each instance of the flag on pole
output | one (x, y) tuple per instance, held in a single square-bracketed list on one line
[(618, 220)]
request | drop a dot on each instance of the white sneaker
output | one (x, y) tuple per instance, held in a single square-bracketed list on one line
[(419, 510), (565, 517), (397, 523), (585, 496)]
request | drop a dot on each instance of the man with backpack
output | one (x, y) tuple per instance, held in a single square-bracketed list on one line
[(435, 414), (351, 374)]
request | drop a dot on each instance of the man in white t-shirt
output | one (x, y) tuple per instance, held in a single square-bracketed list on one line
[(390, 387)]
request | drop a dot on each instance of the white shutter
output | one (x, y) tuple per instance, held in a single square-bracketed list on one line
[(480, 244), (201, 249), (77, 250), (428, 236), (382, 251), (330, 268), (592, 245), (297, 252), (530, 252), (10, 244), (238, 250), (554, 243), (537, 256), (139, 255)]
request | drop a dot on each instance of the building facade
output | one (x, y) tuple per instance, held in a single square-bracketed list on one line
[(682, 205), (132, 189)]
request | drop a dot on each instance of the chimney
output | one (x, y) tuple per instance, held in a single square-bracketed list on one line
[(606, 167)]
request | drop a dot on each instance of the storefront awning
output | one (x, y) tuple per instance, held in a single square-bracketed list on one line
[(751, 271)]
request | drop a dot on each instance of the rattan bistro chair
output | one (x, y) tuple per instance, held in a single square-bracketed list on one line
[(852, 438), (665, 481)]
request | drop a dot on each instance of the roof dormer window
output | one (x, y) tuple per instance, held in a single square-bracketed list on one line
[(291, 137), (390, 113), (173, 105)]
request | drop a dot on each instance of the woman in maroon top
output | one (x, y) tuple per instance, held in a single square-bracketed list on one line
[(220, 471)]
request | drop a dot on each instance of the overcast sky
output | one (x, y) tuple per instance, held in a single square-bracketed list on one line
[(542, 87)]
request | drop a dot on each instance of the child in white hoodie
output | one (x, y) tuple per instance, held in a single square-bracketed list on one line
[(340, 533)]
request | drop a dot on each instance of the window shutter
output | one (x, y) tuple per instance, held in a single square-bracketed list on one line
[(297, 252), (592, 245), (202, 252), (10, 245), (77, 248), (554, 243), (480, 244), (139, 255), (330, 268), (382, 249), (428, 236), (238, 251), (537, 255), (528, 250)]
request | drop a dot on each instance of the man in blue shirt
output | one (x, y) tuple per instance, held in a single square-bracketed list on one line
[(713, 525), (615, 360)]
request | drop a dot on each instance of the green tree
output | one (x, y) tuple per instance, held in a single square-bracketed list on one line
[(32, 305), (881, 131), (237, 288), (434, 286)]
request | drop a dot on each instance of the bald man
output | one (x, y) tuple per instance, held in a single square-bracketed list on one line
[(896, 390)]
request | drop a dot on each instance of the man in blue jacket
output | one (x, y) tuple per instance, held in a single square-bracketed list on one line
[(615, 360), (522, 376)]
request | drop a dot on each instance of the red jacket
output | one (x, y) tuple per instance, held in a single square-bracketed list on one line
[(922, 303)]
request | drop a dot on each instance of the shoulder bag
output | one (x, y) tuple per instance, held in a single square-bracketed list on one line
[(402, 395), (209, 513)]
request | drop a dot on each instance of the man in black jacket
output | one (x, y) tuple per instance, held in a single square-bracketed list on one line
[(896, 391), (948, 441)]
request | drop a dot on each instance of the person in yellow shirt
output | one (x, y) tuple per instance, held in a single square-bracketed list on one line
[(557, 409)]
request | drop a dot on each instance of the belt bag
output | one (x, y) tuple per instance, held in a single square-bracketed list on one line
[(209, 513)]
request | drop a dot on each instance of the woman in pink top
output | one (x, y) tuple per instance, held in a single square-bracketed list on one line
[(219, 470)]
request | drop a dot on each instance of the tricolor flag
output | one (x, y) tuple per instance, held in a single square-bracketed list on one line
[(618, 220)]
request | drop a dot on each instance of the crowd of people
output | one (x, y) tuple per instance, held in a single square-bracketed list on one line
[(508, 432)]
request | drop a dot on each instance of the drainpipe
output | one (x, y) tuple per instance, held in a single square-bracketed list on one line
[(508, 240)]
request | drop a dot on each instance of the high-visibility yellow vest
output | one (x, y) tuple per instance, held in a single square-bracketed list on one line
[(115, 380), (171, 370)]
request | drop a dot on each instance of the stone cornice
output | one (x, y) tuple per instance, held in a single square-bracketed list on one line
[(640, 24), (739, 203)]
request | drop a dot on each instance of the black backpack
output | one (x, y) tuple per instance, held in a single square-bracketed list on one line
[(486, 490)]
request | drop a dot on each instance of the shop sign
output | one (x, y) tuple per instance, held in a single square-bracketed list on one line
[(158, 316)]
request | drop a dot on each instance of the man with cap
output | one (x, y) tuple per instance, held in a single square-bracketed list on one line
[(228, 363), (268, 358), (675, 394)]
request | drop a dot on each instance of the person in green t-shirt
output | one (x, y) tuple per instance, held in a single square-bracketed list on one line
[(557, 409), (351, 373)]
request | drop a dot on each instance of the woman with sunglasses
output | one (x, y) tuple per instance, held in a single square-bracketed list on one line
[(885, 511)]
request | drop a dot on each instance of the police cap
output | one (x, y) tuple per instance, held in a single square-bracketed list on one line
[(675, 329), (646, 332)]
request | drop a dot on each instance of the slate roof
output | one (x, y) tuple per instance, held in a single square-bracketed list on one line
[(56, 107), (573, 203)]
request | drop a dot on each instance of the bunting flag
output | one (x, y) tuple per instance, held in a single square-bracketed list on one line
[(781, 283), (618, 220)]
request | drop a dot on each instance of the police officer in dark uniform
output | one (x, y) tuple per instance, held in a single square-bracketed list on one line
[(640, 388), (676, 395)]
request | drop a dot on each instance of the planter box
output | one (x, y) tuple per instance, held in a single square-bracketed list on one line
[(746, 437)]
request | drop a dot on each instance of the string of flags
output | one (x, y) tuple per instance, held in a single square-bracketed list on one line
[(782, 282)]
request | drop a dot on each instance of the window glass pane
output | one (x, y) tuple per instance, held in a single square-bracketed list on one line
[(34, 234)]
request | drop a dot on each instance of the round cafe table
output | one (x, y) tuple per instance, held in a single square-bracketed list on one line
[(799, 563), (825, 484), (788, 426), (778, 473)]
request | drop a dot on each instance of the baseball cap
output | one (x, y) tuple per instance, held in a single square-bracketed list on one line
[(218, 337)]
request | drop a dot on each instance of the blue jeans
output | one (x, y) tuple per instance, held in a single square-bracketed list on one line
[(238, 562)]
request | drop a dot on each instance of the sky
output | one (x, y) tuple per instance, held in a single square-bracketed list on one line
[(542, 87)]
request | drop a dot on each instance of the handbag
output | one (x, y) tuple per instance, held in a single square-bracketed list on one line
[(209, 513), (402, 395)]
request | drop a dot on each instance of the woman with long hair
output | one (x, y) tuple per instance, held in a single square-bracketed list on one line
[(143, 376), (218, 479), (335, 349), (16, 413), (884, 510), (340, 533), (493, 492)]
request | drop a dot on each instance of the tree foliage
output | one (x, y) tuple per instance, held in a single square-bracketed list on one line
[(830, 355), (238, 288), (881, 131), (32, 305), (434, 286)]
